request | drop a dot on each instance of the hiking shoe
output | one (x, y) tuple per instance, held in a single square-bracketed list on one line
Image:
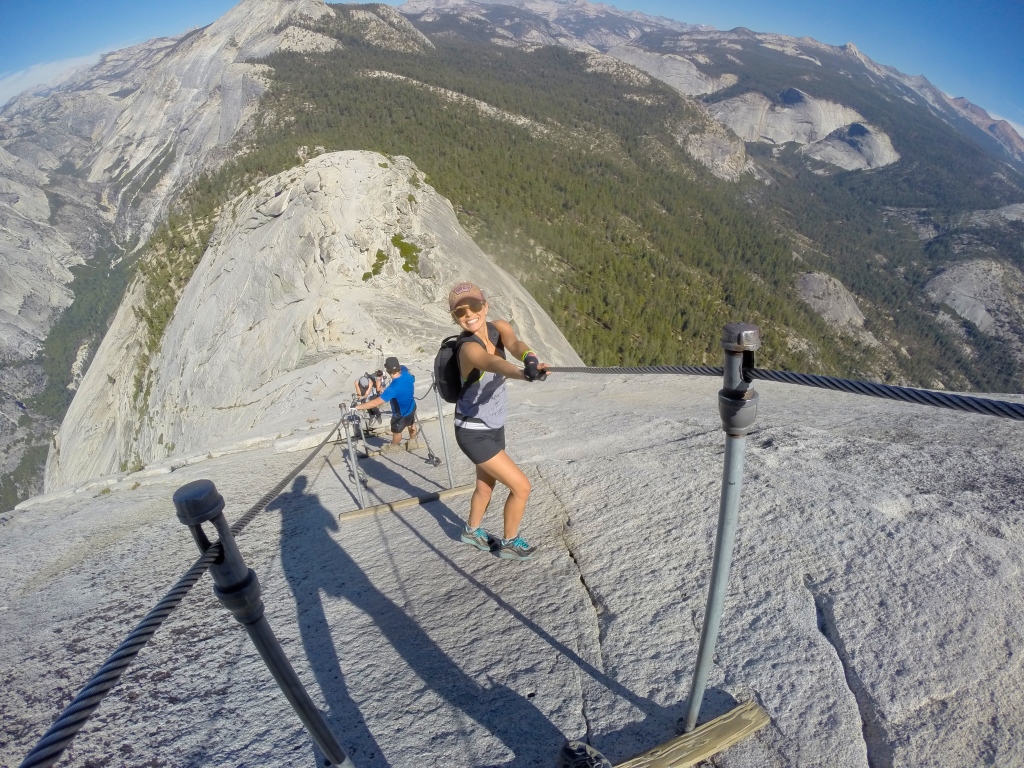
[(515, 549), (479, 538), (576, 754)]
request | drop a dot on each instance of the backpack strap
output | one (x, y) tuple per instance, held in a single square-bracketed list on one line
[(494, 335)]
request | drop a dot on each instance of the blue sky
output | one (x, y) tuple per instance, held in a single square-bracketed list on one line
[(971, 48)]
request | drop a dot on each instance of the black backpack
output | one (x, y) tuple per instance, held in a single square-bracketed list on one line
[(447, 378)]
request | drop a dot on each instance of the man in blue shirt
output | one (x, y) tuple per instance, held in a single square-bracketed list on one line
[(400, 394)]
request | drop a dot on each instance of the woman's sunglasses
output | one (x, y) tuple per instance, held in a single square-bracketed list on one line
[(472, 305)]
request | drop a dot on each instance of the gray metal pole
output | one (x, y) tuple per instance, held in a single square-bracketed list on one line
[(737, 405), (444, 437), (353, 460), (362, 433), (237, 587), (421, 432)]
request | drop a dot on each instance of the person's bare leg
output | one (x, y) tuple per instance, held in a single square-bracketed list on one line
[(480, 499), (502, 468)]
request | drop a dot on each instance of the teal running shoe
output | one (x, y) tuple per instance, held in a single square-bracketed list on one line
[(479, 538), (515, 549), (576, 754)]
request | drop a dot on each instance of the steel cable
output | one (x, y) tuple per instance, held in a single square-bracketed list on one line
[(984, 406), (981, 405), (690, 370), (64, 729)]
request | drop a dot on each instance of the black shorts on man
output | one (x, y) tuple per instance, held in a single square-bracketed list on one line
[(398, 423)]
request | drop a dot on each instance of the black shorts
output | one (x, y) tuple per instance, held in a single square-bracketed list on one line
[(398, 423), (480, 445)]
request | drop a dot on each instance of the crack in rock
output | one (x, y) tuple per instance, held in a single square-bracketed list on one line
[(876, 739), (595, 604)]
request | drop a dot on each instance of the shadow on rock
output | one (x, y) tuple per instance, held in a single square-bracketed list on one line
[(319, 568), (637, 737)]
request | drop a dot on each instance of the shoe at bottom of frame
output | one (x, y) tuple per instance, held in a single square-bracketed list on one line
[(576, 754)]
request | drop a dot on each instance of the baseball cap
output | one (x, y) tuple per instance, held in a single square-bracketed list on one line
[(463, 292), (391, 365)]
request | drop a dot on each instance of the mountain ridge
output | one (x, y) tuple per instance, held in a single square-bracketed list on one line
[(296, 280), (102, 211)]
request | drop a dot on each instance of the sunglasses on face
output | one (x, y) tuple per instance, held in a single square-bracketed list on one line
[(472, 305)]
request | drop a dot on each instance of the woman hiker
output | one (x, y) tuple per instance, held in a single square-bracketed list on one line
[(480, 416)]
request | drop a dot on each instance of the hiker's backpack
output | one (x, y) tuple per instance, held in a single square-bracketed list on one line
[(446, 369), (447, 378)]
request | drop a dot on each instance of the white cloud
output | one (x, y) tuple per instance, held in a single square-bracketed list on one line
[(17, 82)]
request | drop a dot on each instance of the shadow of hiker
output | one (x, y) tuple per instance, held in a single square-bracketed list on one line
[(315, 565), (379, 470), (376, 469)]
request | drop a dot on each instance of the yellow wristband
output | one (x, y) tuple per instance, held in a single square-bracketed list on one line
[(527, 352)]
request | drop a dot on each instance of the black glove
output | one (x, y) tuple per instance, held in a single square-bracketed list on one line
[(530, 371)]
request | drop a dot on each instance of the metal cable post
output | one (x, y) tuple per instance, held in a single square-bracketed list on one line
[(420, 431), (351, 458), (237, 587), (737, 405), (362, 432), (444, 437)]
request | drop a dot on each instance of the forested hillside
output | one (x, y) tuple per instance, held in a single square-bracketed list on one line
[(575, 181), (639, 255), (573, 171)]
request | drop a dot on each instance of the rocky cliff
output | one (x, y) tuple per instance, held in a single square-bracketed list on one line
[(829, 132), (301, 278), (120, 140), (90, 165), (987, 293), (835, 304)]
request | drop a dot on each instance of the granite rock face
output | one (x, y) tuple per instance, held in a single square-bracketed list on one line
[(999, 215), (833, 133), (303, 276), (716, 148), (854, 147), (988, 293), (675, 70), (113, 144), (89, 164), (875, 607), (36, 258), (835, 304)]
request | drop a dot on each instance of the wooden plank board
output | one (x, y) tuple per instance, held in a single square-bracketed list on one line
[(705, 741), (413, 445), (410, 502)]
